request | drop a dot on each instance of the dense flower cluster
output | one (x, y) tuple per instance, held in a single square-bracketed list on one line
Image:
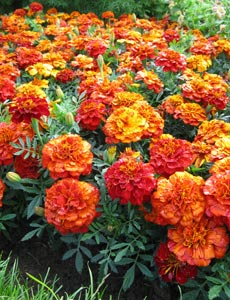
[(96, 110)]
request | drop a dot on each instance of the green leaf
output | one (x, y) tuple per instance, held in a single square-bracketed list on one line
[(191, 295), (29, 235), (144, 270), (128, 278), (227, 291), (79, 262), (86, 251), (214, 280), (8, 217), (120, 254), (69, 253), (119, 246), (214, 292)]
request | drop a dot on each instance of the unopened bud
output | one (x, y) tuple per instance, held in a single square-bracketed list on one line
[(13, 177), (59, 92), (69, 119), (111, 154), (110, 228), (39, 211), (134, 18)]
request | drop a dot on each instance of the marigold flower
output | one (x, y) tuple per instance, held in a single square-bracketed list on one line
[(95, 47), (42, 69), (196, 89), (180, 199), (66, 75), (171, 61), (171, 102), (130, 180), (220, 166), (26, 57), (201, 151), (7, 89), (199, 62), (151, 80), (24, 108), (70, 205), (124, 125), (191, 113), (125, 98), (217, 191), (67, 155), (220, 149), (26, 167), (36, 7), (210, 131), (171, 35), (9, 71), (2, 189), (169, 155), (107, 15), (170, 268), (90, 114), (198, 243)]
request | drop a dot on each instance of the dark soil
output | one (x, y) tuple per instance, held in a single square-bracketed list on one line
[(35, 257)]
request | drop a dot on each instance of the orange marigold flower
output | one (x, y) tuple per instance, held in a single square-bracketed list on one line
[(27, 167), (107, 14), (217, 191), (24, 108), (170, 268), (125, 98), (220, 166), (220, 149), (190, 113), (201, 46), (153, 118), (171, 61), (90, 114), (95, 47), (180, 199), (130, 180), (196, 89), (199, 62), (170, 155), (171, 35), (124, 125), (171, 102), (70, 205), (201, 152), (151, 80), (198, 243), (210, 131), (27, 57), (2, 189), (9, 71), (7, 89), (67, 155)]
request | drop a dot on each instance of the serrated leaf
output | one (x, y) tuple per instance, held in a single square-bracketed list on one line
[(128, 278), (69, 253), (214, 292), (79, 262)]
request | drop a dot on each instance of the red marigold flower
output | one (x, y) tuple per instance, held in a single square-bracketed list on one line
[(170, 268), (66, 75), (169, 155), (67, 155), (95, 47), (151, 80), (90, 114), (24, 108), (7, 89), (124, 125), (171, 35), (217, 192), (191, 113), (201, 46), (20, 12), (130, 180), (171, 61), (36, 6), (27, 57), (27, 168), (198, 243), (70, 205), (2, 189), (180, 199)]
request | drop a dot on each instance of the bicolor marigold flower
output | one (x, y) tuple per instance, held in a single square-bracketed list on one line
[(2, 189), (201, 152), (217, 192), (67, 156), (124, 125), (198, 243), (90, 114), (26, 107), (220, 149), (171, 61), (26, 57), (126, 98), (26, 167), (130, 180), (169, 155), (151, 80), (171, 35), (70, 205), (220, 166), (180, 199), (191, 113), (66, 75), (199, 62), (95, 47), (171, 102), (172, 269)]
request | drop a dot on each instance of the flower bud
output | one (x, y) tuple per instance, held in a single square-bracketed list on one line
[(59, 92), (69, 119), (111, 154), (39, 211), (13, 177)]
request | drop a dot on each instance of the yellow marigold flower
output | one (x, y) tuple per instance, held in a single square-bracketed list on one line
[(221, 149), (30, 89), (42, 69), (199, 62), (220, 166), (124, 125), (125, 98)]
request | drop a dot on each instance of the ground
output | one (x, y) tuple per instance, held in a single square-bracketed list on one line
[(35, 257)]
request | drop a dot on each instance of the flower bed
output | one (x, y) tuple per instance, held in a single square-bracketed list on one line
[(115, 133)]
